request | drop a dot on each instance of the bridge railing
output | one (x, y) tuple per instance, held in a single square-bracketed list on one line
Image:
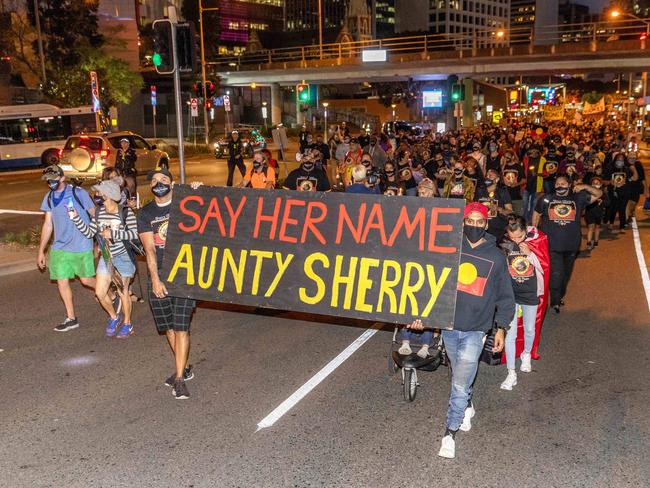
[(589, 34)]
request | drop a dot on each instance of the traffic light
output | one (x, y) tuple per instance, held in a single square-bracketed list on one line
[(197, 89), (303, 93), (457, 92), (210, 89), (163, 52), (186, 47)]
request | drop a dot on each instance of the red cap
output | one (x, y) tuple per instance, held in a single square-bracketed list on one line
[(475, 207)]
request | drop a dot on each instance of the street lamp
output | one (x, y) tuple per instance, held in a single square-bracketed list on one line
[(264, 113), (615, 13), (325, 105), (392, 105)]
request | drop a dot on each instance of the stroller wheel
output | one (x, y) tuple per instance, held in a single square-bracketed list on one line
[(410, 384)]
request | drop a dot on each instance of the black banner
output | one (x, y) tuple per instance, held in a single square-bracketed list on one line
[(387, 259)]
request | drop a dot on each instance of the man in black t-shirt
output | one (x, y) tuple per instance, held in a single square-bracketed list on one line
[(307, 178), (558, 216), (172, 315), (513, 176), (496, 199)]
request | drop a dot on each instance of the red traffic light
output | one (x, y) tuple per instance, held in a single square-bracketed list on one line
[(643, 37)]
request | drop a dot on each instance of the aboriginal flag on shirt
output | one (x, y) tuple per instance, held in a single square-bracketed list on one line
[(473, 274)]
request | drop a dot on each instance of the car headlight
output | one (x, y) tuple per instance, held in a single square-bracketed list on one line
[(216, 145)]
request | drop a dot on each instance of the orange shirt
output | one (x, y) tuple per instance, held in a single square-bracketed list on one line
[(259, 180)]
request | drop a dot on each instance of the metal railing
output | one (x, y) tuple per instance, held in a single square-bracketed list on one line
[(591, 35)]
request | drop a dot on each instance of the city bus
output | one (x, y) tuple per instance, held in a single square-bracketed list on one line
[(32, 135)]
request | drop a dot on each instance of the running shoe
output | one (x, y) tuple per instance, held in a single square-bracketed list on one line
[(188, 374), (68, 324), (125, 331), (180, 390), (111, 327)]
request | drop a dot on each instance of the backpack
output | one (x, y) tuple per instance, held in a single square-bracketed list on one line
[(134, 247), (74, 194)]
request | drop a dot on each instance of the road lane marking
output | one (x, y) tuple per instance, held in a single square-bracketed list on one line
[(645, 278), (19, 212), (302, 392)]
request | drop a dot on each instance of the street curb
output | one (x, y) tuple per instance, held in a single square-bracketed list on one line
[(18, 267), (21, 172)]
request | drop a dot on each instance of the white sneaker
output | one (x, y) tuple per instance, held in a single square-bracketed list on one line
[(525, 363), (447, 447), (510, 381), (467, 420), (405, 349), (423, 352)]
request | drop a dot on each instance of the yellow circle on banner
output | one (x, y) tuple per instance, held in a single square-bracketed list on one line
[(539, 131), (467, 274)]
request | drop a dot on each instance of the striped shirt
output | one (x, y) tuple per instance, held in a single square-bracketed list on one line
[(119, 232)]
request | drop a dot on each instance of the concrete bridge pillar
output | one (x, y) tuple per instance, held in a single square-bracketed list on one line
[(276, 104)]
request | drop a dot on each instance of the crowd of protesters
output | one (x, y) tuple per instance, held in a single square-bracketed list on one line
[(519, 182)]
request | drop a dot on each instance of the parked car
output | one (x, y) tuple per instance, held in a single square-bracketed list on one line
[(251, 139), (84, 156)]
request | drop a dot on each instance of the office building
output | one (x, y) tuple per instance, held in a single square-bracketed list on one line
[(302, 15), (462, 21), (384, 12)]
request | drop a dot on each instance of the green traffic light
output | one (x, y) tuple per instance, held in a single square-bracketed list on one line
[(157, 59), (304, 96)]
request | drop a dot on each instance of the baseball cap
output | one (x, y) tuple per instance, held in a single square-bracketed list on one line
[(475, 207), (52, 172), (162, 171), (110, 189)]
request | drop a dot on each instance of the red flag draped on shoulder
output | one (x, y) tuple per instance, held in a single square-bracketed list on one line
[(538, 244)]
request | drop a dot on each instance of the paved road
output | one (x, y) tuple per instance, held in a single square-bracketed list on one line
[(80, 410)]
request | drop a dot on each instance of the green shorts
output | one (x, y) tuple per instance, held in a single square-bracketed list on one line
[(68, 265)]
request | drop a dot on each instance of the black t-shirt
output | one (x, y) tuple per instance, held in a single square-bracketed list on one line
[(523, 274), (561, 219), (432, 167), (513, 173), (405, 174), (314, 180), (493, 163), (494, 200), (155, 218)]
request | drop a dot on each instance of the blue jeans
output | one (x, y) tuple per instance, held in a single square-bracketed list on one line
[(463, 350), (529, 316), (417, 337), (530, 199)]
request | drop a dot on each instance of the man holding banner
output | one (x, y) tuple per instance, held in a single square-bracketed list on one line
[(484, 297), (171, 314)]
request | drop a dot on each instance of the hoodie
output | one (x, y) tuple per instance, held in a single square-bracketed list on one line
[(485, 294)]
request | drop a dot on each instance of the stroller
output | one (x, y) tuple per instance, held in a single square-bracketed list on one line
[(412, 363)]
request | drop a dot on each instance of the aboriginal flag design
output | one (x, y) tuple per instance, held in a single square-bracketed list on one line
[(473, 274)]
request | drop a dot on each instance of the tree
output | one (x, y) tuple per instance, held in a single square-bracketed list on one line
[(73, 48)]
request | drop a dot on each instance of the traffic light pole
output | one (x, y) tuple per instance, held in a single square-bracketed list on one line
[(206, 122), (177, 95)]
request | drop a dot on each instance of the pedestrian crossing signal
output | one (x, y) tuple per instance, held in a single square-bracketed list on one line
[(163, 51)]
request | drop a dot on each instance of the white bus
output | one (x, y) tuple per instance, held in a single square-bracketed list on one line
[(32, 135)]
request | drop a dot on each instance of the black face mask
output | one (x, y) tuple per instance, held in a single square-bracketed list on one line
[(489, 182), (53, 184), (458, 172), (99, 200), (561, 191), (390, 173), (161, 189), (257, 165), (307, 166), (473, 234)]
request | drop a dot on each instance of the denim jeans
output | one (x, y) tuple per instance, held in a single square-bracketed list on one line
[(416, 337), (530, 199), (463, 350), (529, 316)]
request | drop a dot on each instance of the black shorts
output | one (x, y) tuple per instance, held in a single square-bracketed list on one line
[(171, 313)]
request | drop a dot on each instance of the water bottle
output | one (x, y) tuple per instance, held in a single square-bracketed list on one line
[(70, 206)]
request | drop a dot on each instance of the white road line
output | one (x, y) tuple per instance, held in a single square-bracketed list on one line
[(301, 392), (19, 212), (645, 278)]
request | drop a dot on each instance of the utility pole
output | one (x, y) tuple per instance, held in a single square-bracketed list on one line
[(206, 122), (37, 16), (320, 28), (177, 93)]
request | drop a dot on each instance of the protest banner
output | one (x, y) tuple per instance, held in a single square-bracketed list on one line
[(553, 112), (389, 259)]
